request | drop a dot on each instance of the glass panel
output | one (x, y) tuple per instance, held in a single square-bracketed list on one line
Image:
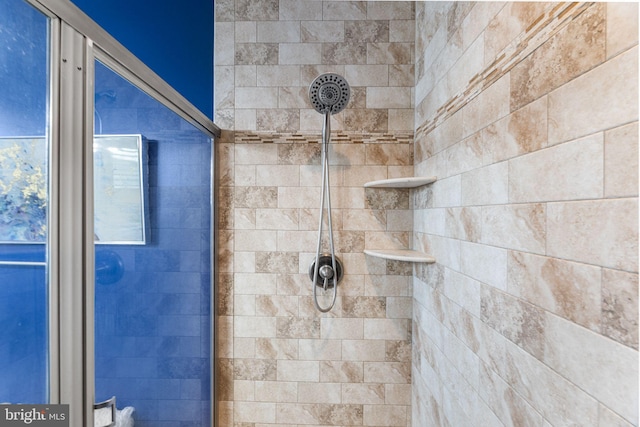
[(152, 307), (23, 203)]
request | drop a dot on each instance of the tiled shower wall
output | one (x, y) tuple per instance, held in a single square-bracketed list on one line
[(527, 113), (281, 362)]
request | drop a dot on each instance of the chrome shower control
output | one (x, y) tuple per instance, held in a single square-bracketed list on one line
[(325, 271)]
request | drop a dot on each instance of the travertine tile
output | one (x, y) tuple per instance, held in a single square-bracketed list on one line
[(603, 98), (568, 289), (577, 48), (276, 391), (320, 393), (363, 393), (603, 368), (388, 415), (339, 10), (341, 371), (622, 27), (573, 170), (521, 132), (620, 306), (254, 412), (363, 350), (486, 186), (600, 232), (320, 414), (621, 161), (521, 227), (299, 10)]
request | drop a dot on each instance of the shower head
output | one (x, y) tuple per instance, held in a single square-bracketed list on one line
[(329, 93)]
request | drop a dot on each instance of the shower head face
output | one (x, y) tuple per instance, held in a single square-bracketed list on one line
[(329, 93)]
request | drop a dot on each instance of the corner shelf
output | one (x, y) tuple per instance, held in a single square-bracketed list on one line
[(401, 255), (410, 182)]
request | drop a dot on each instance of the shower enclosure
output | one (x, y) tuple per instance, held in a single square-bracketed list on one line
[(105, 226)]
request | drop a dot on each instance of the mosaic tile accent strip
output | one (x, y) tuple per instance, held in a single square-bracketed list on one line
[(555, 18)]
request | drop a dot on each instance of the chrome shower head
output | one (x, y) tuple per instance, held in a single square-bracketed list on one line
[(329, 92)]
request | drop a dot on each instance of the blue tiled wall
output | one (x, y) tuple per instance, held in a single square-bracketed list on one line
[(153, 325)]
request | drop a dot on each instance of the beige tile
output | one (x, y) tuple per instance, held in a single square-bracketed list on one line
[(275, 391), (320, 349), (523, 131), (254, 327), (605, 97), (520, 322), (256, 53), (510, 407), (319, 393), (254, 283), (297, 370), (386, 329), (299, 53), (363, 350), (256, 154), (536, 382), (277, 31), (521, 227), (572, 170), (397, 394), (252, 240), (322, 31), (319, 414), (387, 415), (390, 10), (389, 53), (256, 10), (600, 232), (568, 289), (621, 161), (348, 328), (225, 40), (622, 26), (465, 155), (298, 327), (577, 48), (620, 307), (489, 106), (341, 371), (603, 368), (339, 10), (488, 185), (275, 219), (245, 32), (363, 393), (387, 372), (274, 349), (369, 31), (254, 412), (486, 264), (511, 21), (367, 75), (296, 10), (607, 417)]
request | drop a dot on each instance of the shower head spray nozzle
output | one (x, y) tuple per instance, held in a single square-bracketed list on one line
[(329, 93)]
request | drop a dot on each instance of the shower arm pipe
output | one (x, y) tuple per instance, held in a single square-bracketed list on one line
[(326, 132)]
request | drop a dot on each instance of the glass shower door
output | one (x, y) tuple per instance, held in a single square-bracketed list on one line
[(152, 203), (24, 201)]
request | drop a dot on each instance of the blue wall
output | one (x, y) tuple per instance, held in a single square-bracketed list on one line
[(174, 39)]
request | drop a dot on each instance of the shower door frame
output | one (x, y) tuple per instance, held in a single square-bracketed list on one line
[(76, 42)]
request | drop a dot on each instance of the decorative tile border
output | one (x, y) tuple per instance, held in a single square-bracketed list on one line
[(244, 137), (555, 18)]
